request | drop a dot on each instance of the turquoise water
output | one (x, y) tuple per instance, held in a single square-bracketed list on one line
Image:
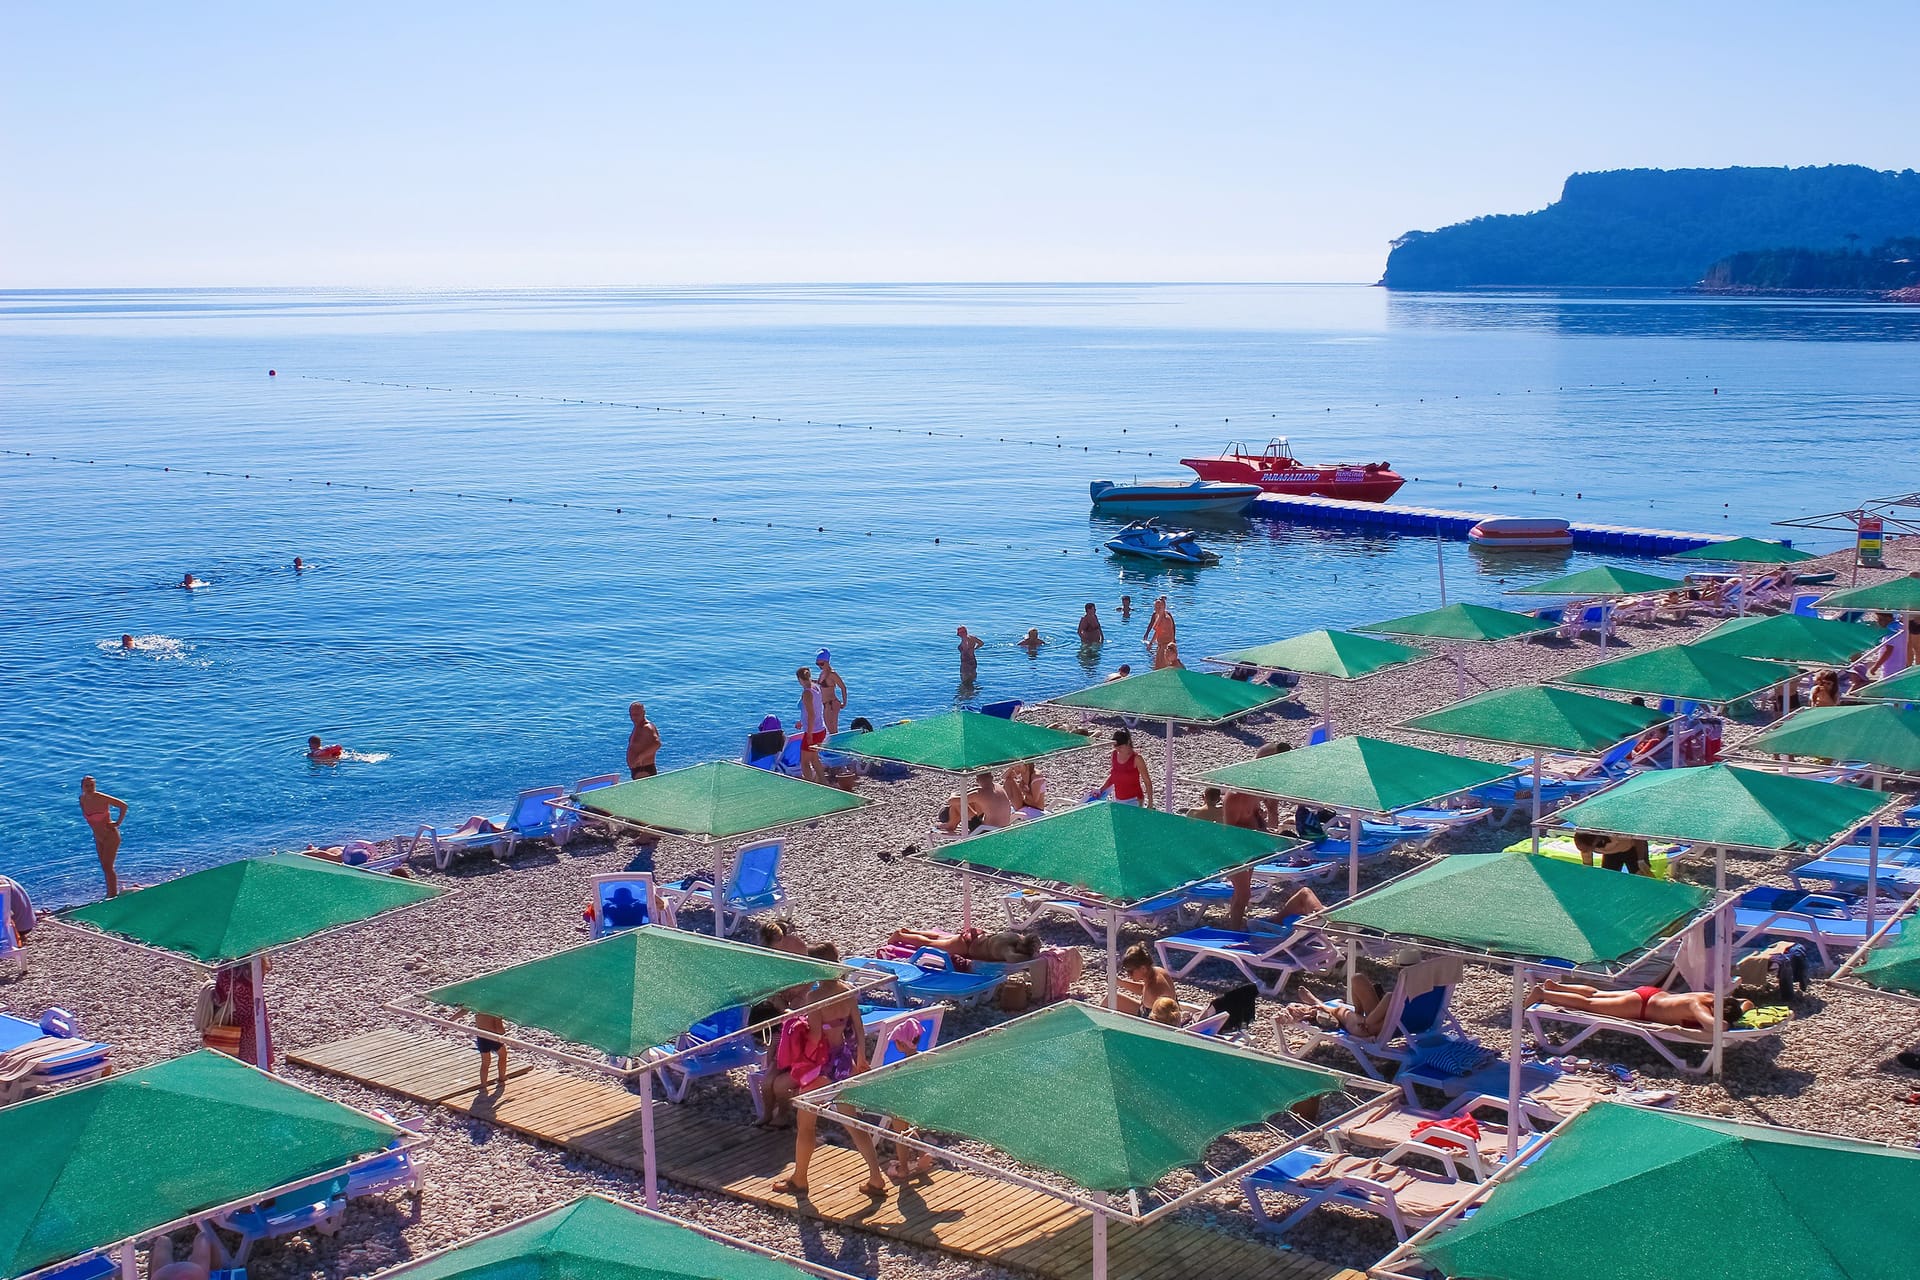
[(468, 646)]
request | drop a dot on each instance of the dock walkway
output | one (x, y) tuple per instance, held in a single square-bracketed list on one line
[(951, 1210), (1338, 512)]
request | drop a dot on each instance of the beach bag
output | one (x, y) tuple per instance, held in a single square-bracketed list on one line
[(1239, 1004), (1054, 972), (1016, 994), (210, 1011), (222, 1039)]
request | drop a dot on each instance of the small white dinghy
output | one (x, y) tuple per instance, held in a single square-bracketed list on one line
[(1520, 533), (1173, 497)]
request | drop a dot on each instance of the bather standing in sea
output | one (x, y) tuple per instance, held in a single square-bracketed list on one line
[(97, 807)]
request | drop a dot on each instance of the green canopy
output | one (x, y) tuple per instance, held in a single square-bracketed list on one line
[(1895, 595), (1723, 806), (1683, 671), (1366, 775), (1339, 654), (717, 801), (1176, 694), (592, 1238), (1883, 736), (1541, 717), (239, 909), (1904, 687), (1518, 904), (87, 1168), (1792, 637), (1120, 852), (1626, 1193), (1462, 622), (958, 742), (1108, 1100), (1603, 580), (1894, 965), (1745, 551), (633, 990)]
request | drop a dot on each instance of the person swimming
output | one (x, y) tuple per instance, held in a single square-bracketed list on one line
[(1031, 641), (126, 642), (189, 583), (321, 753), (298, 565)]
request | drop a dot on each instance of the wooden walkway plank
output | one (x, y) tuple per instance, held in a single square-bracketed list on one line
[(953, 1210)]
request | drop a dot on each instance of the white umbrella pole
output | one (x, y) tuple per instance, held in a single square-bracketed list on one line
[(960, 833), (1353, 887), (1113, 958), (1873, 862), (719, 895), (1100, 1235), (1166, 768), (1536, 801), (1440, 559), (1514, 1034), (1326, 704), (1721, 919), (1459, 674), (262, 1055), (649, 1163), (1673, 740)]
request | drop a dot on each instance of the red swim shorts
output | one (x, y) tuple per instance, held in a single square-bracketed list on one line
[(810, 741)]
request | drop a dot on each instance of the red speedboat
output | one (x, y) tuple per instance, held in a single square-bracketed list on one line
[(1276, 470)]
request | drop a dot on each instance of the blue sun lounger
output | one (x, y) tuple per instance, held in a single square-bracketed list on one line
[(86, 1061), (929, 978), (1822, 921)]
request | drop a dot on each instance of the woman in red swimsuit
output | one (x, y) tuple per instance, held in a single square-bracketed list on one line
[(1128, 781)]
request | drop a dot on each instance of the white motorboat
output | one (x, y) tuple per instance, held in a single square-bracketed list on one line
[(1173, 497)]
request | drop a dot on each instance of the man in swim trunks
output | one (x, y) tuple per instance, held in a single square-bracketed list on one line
[(1090, 633), (643, 744), (812, 726), (833, 690), (987, 805), (97, 808)]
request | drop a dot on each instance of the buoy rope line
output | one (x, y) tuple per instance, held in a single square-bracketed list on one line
[(1057, 442)]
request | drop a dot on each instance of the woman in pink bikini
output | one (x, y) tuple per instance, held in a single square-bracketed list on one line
[(97, 808)]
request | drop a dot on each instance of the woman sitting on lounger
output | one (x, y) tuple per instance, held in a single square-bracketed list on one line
[(1691, 1009), (1142, 982), (1366, 1014), (1025, 786)]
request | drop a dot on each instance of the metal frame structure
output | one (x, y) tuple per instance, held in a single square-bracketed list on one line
[(824, 1103)]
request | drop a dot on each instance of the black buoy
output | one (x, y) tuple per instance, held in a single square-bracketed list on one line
[(273, 373)]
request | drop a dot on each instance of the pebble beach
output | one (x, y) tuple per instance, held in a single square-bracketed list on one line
[(1831, 1069)]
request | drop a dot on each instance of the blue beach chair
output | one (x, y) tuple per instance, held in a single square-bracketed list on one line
[(752, 885), (741, 1053), (929, 978), (87, 1060)]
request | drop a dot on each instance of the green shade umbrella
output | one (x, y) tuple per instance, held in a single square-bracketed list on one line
[(240, 909), (1359, 775), (1904, 687), (1526, 906), (1683, 671), (1600, 582), (719, 800), (1176, 696), (1339, 654), (1728, 808), (1895, 595), (1462, 622), (1745, 551), (1894, 966), (1792, 637), (1119, 852), (627, 992), (1624, 1193), (1108, 1100), (1541, 717), (90, 1167), (958, 742), (1880, 735), (593, 1238), (631, 991)]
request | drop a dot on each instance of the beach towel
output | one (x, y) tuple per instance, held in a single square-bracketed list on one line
[(18, 908), (17, 1064), (801, 1052)]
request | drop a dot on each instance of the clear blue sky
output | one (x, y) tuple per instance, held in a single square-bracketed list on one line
[(615, 143)]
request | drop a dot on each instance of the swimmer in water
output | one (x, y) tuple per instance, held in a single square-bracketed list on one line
[(320, 753), (126, 642), (188, 582), (1031, 641), (297, 565)]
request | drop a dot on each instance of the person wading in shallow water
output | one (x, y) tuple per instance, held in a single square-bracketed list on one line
[(643, 744), (97, 807)]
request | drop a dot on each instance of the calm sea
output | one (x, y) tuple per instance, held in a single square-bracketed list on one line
[(884, 463)]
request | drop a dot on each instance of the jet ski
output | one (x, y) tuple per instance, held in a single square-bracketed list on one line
[(1146, 538)]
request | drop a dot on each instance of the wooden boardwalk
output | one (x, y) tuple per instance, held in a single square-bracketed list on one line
[(951, 1210)]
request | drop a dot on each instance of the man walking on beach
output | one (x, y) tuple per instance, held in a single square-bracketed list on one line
[(833, 690), (643, 744), (1091, 636)]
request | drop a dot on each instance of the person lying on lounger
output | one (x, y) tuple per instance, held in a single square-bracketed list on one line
[(1365, 1014), (1004, 947), (987, 806), (1692, 1009)]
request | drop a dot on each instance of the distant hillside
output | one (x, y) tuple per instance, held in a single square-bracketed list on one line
[(1882, 269), (1660, 228)]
